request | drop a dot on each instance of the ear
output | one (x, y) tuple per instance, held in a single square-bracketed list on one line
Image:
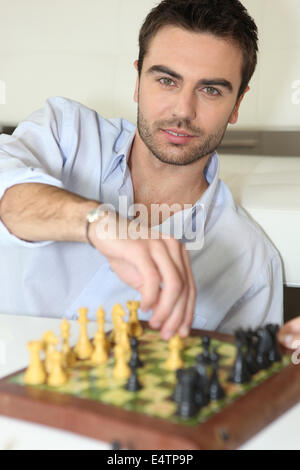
[(136, 91), (235, 113)]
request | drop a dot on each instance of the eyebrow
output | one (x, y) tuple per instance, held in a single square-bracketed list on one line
[(204, 81)]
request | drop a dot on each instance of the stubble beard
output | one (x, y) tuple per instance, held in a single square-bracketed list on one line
[(178, 154)]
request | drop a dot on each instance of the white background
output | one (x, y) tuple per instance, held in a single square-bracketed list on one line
[(85, 51)]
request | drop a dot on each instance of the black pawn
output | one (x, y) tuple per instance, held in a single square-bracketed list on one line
[(240, 373), (134, 342), (187, 408), (274, 354), (134, 360), (216, 391), (133, 384), (206, 354), (177, 395)]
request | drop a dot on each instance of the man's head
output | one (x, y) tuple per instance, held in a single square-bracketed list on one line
[(226, 19), (196, 59)]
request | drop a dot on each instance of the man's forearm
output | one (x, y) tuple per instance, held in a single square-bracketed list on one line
[(38, 212)]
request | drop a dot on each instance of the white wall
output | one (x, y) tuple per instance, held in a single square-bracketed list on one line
[(85, 51), (269, 103)]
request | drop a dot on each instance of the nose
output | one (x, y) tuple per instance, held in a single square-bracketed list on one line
[(185, 104)]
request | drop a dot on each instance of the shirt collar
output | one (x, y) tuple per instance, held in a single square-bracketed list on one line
[(121, 150), (184, 222), (195, 219), (211, 173)]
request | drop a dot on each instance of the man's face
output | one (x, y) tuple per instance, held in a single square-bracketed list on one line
[(189, 86)]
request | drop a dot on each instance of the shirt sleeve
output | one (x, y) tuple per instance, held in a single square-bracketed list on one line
[(262, 303), (35, 153)]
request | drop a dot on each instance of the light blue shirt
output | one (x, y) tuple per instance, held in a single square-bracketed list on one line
[(238, 272)]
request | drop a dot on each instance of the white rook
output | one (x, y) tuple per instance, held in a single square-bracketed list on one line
[(2, 92)]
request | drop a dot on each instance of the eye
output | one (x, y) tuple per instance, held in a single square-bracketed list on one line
[(166, 81), (211, 91)]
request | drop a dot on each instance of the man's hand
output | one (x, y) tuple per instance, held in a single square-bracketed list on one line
[(160, 269), (289, 334)]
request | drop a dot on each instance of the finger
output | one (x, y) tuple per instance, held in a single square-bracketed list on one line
[(172, 319), (293, 326), (181, 318), (176, 318), (172, 280), (192, 294), (289, 334), (290, 340), (151, 280)]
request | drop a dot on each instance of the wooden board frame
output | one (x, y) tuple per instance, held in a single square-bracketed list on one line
[(227, 429)]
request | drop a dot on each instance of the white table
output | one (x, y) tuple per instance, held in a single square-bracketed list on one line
[(16, 331)]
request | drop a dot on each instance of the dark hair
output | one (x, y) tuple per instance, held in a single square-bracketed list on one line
[(227, 19)]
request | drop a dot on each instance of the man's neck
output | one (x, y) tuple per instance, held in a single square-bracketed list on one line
[(155, 182)]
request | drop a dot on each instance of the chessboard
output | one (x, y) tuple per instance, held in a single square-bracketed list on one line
[(152, 415)]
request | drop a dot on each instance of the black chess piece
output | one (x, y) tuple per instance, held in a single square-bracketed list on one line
[(263, 348), (202, 382), (206, 353), (240, 335), (240, 373), (134, 342), (187, 407), (178, 388), (135, 361), (133, 384), (274, 353), (251, 352), (216, 391)]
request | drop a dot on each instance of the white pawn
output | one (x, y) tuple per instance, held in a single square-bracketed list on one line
[(57, 377), (99, 355), (35, 373), (49, 340), (121, 370), (83, 348)]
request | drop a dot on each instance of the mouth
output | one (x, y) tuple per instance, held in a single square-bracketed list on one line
[(178, 133), (177, 136)]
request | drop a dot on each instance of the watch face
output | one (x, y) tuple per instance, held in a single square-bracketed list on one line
[(92, 215)]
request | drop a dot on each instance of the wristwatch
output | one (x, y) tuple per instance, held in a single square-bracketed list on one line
[(95, 214), (92, 216)]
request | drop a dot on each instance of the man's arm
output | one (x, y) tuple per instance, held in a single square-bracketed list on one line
[(37, 212)]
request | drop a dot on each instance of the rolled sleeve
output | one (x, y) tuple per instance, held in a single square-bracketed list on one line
[(35, 153)]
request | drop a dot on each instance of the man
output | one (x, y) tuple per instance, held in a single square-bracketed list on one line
[(196, 60)]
